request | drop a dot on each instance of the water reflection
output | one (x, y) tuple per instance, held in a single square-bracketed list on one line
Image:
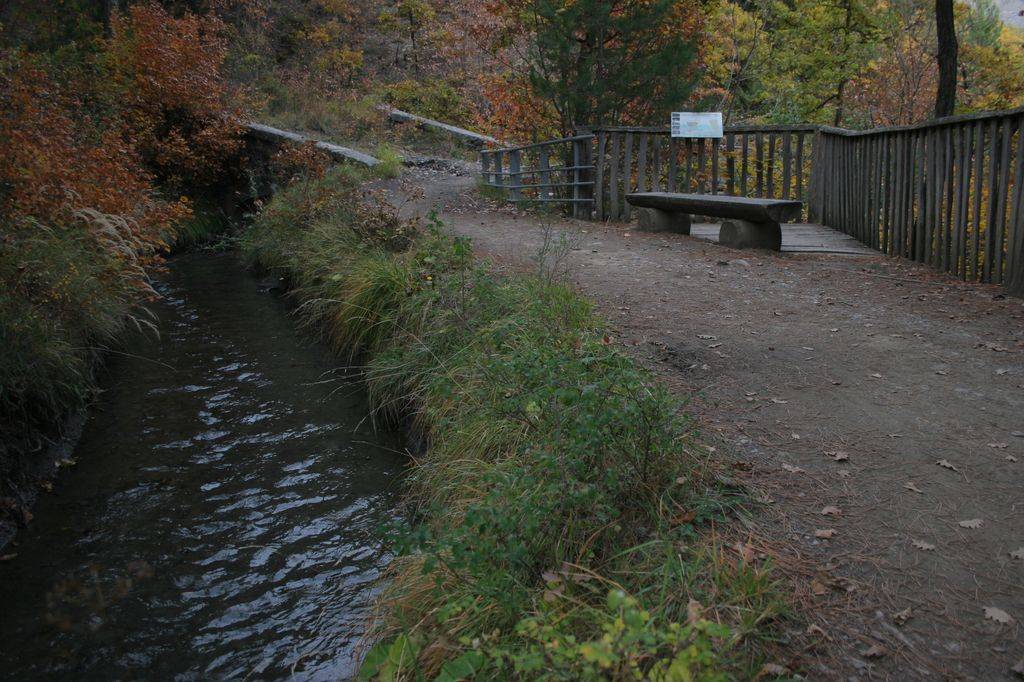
[(223, 518)]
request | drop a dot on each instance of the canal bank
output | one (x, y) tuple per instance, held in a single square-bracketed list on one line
[(224, 516)]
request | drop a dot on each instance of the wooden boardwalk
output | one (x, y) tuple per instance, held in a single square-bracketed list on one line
[(801, 238)]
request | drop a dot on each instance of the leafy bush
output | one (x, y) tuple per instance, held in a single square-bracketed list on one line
[(434, 99), (167, 80), (98, 143), (560, 497)]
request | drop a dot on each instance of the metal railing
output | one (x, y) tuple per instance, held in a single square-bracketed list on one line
[(554, 171)]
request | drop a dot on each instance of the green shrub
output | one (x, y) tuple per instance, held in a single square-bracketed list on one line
[(559, 506), (433, 99)]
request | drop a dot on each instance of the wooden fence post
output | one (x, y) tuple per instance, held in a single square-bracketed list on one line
[(613, 177), (627, 174), (599, 176), (815, 183), (576, 163)]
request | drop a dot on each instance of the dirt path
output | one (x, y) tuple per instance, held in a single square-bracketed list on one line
[(840, 383)]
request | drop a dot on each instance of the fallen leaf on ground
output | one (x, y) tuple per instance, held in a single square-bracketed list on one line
[(998, 446), (686, 517), (946, 464), (837, 455), (773, 669), (796, 436), (707, 337), (745, 551), (942, 372), (779, 401), (825, 533), (926, 546), (1011, 458), (998, 615), (813, 629), (971, 523), (902, 616), (818, 587), (875, 651), (910, 486), (693, 611), (831, 511), (876, 375), (1018, 554), (792, 469)]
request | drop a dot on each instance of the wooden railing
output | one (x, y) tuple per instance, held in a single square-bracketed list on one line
[(948, 193), (762, 161), (554, 171)]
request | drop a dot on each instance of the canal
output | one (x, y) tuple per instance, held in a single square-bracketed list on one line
[(223, 514)]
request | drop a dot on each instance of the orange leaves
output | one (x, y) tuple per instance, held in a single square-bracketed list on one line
[(93, 141), (514, 112), (167, 77)]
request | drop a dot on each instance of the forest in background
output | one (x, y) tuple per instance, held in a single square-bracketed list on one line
[(529, 68)]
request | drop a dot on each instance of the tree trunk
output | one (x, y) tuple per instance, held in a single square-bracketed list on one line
[(945, 97), (837, 121), (107, 9)]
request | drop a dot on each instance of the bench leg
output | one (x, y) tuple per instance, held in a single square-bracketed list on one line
[(656, 220), (743, 234)]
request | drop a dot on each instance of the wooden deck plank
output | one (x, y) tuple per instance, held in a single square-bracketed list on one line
[(801, 238)]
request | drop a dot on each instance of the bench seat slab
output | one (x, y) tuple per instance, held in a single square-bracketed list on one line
[(720, 205)]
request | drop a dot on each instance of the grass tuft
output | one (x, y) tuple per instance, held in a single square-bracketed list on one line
[(390, 165), (68, 292), (562, 506)]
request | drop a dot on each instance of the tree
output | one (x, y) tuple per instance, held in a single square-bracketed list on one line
[(982, 25), (408, 18), (945, 29), (601, 61)]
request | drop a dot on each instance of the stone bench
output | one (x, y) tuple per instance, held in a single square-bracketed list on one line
[(749, 223)]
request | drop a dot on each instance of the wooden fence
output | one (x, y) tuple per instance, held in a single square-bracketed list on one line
[(948, 193), (760, 161)]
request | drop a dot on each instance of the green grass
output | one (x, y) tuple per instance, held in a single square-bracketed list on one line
[(390, 165), (67, 294), (207, 225), (562, 507)]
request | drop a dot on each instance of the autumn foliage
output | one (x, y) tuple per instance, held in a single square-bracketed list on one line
[(167, 77), (54, 162), (101, 142)]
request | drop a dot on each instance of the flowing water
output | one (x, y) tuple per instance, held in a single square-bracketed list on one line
[(223, 516)]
